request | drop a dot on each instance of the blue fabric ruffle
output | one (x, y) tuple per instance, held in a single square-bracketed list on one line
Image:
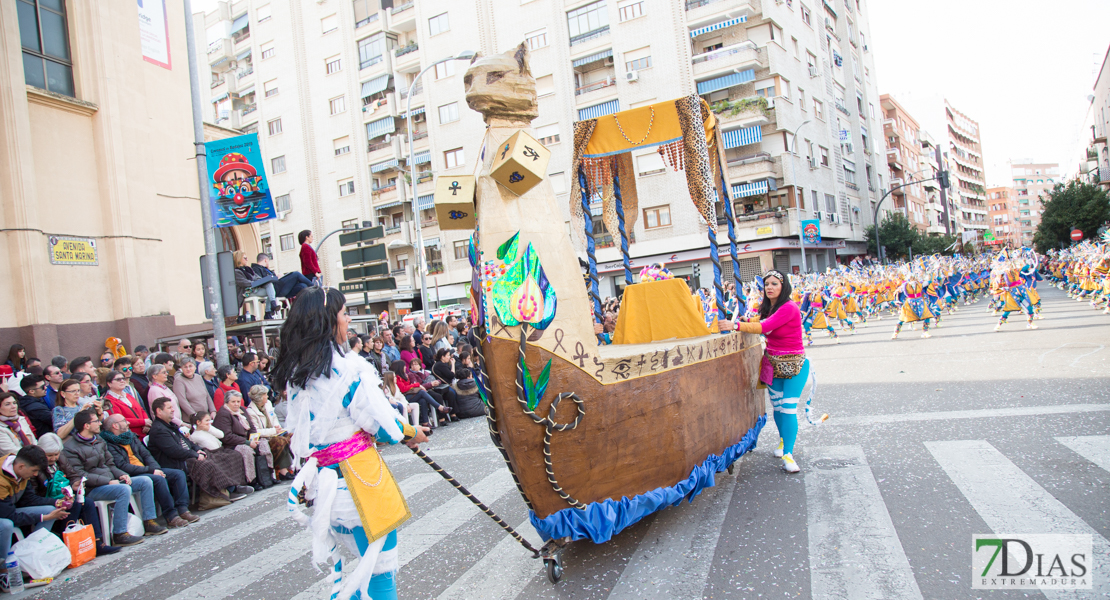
[(600, 521)]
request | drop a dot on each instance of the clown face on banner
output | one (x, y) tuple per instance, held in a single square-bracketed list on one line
[(239, 192)]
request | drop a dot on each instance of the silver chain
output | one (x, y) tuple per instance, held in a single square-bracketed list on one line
[(381, 471)]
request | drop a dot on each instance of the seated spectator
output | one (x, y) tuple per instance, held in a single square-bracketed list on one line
[(88, 391), (407, 350), (355, 345), (261, 413), (106, 359), (288, 285), (166, 360), (68, 405), (211, 440), (88, 456), (190, 391), (452, 329), (375, 353), (54, 378), (281, 407), (207, 370), (142, 354), (415, 392), (138, 380), (33, 404), (237, 428), (250, 376), (441, 339), (171, 491), (409, 410), (184, 348), (159, 389), (119, 400), (19, 506), (60, 482), (216, 475), (469, 403), (199, 353), (248, 283), (444, 372), (17, 359), (227, 377), (389, 348), (425, 351), (15, 429), (82, 364)]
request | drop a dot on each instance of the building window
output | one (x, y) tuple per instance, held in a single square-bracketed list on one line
[(274, 126), (818, 109), (270, 88), (267, 52), (548, 134), (766, 89), (346, 188), (631, 10), (849, 176), (262, 13), (445, 69), (329, 24), (349, 224), (44, 37), (588, 20), (277, 164), (337, 105), (267, 245), (830, 203), (371, 50), (281, 203), (438, 24), (342, 145), (453, 158), (824, 156), (449, 113), (805, 15), (334, 65), (638, 64), (536, 39), (286, 241), (545, 85), (660, 216), (462, 250), (402, 262)]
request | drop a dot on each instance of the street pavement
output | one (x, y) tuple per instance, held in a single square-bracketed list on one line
[(928, 442)]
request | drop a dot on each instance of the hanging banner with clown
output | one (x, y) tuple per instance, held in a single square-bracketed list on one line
[(239, 191)]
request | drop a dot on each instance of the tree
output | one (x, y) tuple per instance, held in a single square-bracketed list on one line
[(1077, 205), (897, 234)]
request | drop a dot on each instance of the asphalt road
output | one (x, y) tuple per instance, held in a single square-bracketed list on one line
[(929, 441)]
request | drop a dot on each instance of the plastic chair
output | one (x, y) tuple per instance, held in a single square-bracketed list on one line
[(18, 534), (106, 515)]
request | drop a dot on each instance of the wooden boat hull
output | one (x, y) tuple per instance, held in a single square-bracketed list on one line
[(640, 432)]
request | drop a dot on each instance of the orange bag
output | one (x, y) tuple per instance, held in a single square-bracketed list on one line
[(81, 541)]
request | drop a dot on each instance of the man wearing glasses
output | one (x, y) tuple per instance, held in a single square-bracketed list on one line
[(33, 404), (184, 349), (54, 378)]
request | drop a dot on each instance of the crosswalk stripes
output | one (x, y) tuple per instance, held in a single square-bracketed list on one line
[(502, 573), (254, 568), (854, 551), (1009, 501), (1095, 448), (675, 556)]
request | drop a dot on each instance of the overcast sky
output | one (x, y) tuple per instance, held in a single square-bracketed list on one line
[(1023, 69)]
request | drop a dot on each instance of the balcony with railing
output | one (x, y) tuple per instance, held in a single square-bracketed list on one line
[(400, 8), (751, 167), (435, 267), (741, 55), (248, 109), (216, 83), (597, 85), (419, 89), (244, 73)]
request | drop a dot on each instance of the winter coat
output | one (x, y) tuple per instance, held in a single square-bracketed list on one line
[(123, 461), (91, 459), (169, 446), (192, 396), (235, 433)]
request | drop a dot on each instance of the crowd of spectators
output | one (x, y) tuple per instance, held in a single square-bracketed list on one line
[(158, 435)]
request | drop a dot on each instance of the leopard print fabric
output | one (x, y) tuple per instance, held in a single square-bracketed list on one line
[(692, 114), (583, 131)]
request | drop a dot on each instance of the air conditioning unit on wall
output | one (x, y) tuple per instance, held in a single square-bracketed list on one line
[(632, 76), (812, 71)]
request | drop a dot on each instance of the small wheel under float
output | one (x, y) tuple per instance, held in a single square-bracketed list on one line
[(552, 555)]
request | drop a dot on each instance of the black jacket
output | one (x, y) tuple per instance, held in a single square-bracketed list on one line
[(38, 413), (169, 446), (123, 461), (26, 497)]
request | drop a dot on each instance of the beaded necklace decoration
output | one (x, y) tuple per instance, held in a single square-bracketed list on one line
[(651, 122)]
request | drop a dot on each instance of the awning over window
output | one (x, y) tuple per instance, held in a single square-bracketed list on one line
[(716, 26), (426, 202), (744, 190), (219, 62), (240, 23), (431, 242), (599, 110), (380, 127), (742, 137), (415, 111), (220, 98), (390, 205), (423, 157), (246, 92), (243, 54), (727, 81), (383, 166), (375, 85), (585, 60)]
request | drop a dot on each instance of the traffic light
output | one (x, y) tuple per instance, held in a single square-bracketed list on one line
[(943, 177), (697, 269)]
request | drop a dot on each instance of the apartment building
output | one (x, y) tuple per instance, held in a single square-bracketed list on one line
[(326, 87), (1095, 167), (939, 208), (965, 161), (1032, 181), (906, 163), (1002, 212)]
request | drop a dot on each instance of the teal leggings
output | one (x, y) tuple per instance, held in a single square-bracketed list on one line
[(384, 585), (785, 394)]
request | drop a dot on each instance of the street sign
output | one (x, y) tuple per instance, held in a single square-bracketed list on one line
[(369, 285), (359, 236), (376, 270), (1076, 235), (363, 254), (65, 250), (404, 305), (988, 235)]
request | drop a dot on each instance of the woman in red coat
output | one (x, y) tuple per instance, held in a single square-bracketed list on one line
[(120, 401), (227, 377)]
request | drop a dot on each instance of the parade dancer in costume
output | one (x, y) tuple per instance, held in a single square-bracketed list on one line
[(337, 412), (813, 309), (785, 368), (914, 309), (1014, 296)]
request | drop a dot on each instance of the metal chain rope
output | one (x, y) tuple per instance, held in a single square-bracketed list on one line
[(548, 422)]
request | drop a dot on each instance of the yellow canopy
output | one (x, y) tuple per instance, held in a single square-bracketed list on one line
[(643, 127)]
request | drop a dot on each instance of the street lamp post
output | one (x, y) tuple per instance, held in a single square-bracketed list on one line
[(794, 176), (421, 263), (875, 216)]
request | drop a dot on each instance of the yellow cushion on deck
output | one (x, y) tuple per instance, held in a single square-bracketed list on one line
[(658, 310)]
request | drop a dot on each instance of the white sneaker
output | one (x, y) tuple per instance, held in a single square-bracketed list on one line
[(894, 337), (788, 464), (778, 451), (926, 335), (998, 327), (1030, 326)]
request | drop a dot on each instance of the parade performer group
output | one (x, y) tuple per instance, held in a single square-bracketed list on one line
[(1083, 271), (337, 413)]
